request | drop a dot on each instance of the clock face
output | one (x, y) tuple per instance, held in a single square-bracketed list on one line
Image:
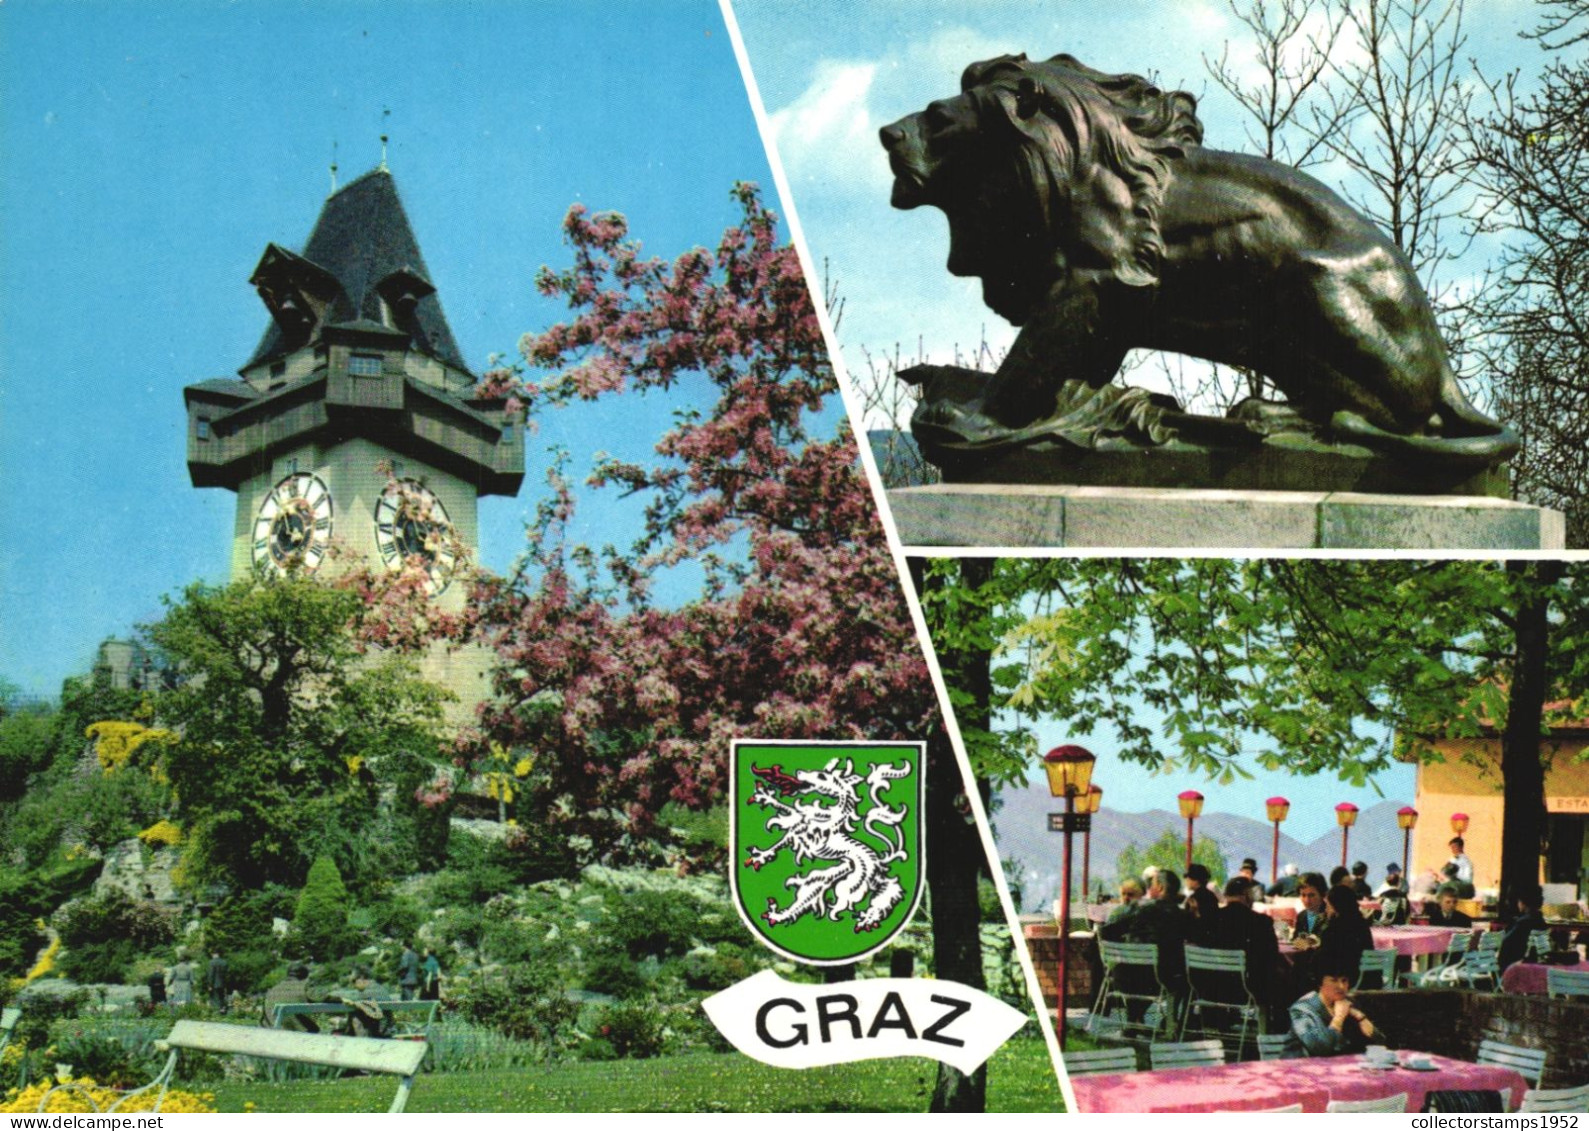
[(411, 525), (293, 529)]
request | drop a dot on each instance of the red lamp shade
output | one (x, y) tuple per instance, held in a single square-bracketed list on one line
[(1191, 803), (1459, 823), (1277, 808), (1069, 770), (1091, 801), (1346, 814), (1406, 817)]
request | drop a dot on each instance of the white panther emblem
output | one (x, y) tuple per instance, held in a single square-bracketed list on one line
[(813, 830)]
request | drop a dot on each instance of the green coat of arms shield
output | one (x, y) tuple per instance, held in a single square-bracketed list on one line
[(827, 853)]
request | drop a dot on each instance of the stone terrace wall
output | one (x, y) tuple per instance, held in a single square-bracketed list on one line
[(1453, 1022)]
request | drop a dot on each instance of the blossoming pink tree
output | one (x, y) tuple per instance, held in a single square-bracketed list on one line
[(800, 629)]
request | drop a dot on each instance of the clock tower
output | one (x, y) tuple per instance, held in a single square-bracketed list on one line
[(357, 374)]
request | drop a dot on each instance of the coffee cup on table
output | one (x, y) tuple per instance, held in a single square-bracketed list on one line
[(1419, 1060), (1380, 1055)]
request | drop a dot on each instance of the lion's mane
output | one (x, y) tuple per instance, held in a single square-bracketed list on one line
[(1072, 119)]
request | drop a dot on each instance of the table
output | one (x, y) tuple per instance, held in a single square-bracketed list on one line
[(1259, 1084), (1532, 977), (1413, 940)]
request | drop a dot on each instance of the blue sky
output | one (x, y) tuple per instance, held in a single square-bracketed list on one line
[(833, 73), (151, 152)]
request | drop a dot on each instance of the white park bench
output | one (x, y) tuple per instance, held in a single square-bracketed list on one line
[(361, 1054)]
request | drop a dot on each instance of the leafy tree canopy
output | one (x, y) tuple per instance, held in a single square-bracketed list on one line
[(284, 726)]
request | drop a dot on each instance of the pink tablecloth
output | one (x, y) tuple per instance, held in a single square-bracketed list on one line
[(1413, 940), (1531, 977), (1255, 1085)]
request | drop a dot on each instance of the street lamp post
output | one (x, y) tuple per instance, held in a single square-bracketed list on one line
[(1346, 817), (1088, 804), (1191, 803), (1406, 820), (1277, 808), (1069, 770)]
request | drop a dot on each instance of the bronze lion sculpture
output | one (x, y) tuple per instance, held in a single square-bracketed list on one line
[(1098, 224)]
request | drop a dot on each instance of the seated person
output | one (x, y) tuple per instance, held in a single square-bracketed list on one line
[(1393, 880), (1196, 879), (1394, 908), (1287, 885), (1346, 936), (1130, 893), (1249, 872), (1202, 908), (1312, 917), (1514, 945), (1238, 927), (1359, 880), (1158, 920), (291, 990), (1445, 913), (1325, 1022)]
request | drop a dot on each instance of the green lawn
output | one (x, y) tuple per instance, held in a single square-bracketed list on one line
[(1020, 1078)]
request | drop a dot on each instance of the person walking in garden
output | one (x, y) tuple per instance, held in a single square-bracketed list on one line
[(179, 982), (408, 972), (432, 976), (215, 979)]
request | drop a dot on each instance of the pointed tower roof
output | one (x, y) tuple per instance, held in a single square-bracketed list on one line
[(362, 250)]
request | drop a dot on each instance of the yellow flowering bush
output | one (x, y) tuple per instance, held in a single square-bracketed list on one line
[(78, 1099), (162, 832), (116, 742)]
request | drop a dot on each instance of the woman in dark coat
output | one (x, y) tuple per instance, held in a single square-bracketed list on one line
[(1346, 935)]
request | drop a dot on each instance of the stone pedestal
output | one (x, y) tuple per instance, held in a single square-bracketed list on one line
[(1029, 516)]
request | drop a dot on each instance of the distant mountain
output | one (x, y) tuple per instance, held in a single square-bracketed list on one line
[(1020, 828)]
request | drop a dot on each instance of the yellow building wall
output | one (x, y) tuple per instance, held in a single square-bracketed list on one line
[(1469, 781)]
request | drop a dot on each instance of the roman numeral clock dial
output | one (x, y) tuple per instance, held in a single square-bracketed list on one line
[(293, 529), (411, 526)]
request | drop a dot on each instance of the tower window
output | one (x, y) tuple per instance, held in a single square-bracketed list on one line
[(365, 365), (202, 428), (278, 369)]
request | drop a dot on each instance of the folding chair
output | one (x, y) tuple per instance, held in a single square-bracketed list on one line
[(1101, 1062), (1397, 1102), (1272, 1046), (1567, 983), (1527, 1063), (1477, 965), (1217, 984), (1186, 1054), (1556, 1099), (1540, 944), (1491, 940), (1443, 971), (1122, 960), (1381, 962)]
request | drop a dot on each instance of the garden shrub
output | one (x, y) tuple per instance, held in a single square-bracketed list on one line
[(320, 921), (525, 1002), (614, 973), (635, 1031), (652, 922), (26, 899)]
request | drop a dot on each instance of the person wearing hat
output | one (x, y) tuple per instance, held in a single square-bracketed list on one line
[(1196, 878), (1393, 880), (1359, 881)]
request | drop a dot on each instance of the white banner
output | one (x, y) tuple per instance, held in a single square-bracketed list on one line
[(798, 1025)]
